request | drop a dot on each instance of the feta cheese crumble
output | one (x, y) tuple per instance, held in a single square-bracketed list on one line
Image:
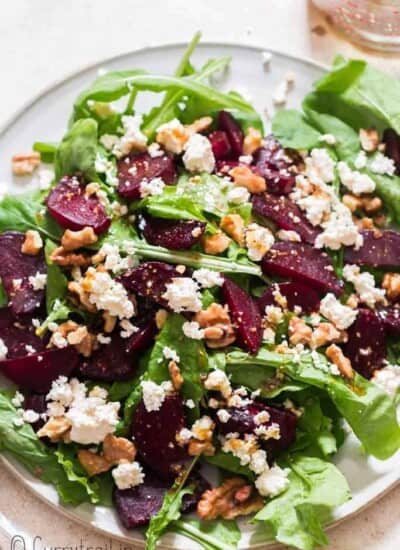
[(355, 181), (154, 394), (208, 278), (30, 416), (341, 316), (133, 137), (361, 160), (258, 241), (198, 155), (238, 195), (381, 164), (38, 281), (288, 235), (388, 379), (171, 354), (128, 475), (217, 380), (107, 294), (17, 400), (3, 350), (272, 481), (191, 329), (364, 284), (320, 167), (182, 294), (339, 230), (151, 188), (328, 139)]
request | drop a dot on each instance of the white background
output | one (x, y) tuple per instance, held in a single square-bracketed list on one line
[(42, 41)]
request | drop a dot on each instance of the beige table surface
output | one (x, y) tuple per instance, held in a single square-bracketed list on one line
[(42, 41)]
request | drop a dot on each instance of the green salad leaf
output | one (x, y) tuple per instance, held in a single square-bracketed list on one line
[(219, 534), (293, 131), (77, 151), (57, 283)]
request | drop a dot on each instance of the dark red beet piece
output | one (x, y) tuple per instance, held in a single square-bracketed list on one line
[(155, 436), (149, 280), (135, 507), (392, 150), (285, 214), (111, 362), (366, 346), (381, 248), (19, 334), (36, 402), (137, 167), (296, 294), (228, 124), (144, 337), (242, 422), (36, 372), (302, 263), (190, 501), (223, 167), (391, 320), (15, 270), (173, 234), (220, 144), (69, 205), (245, 316), (274, 165)]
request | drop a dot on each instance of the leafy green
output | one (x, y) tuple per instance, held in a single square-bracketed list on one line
[(292, 130), (343, 75), (171, 205), (3, 296), (77, 151), (230, 463), (57, 283), (47, 150), (219, 534), (209, 192), (315, 487), (60, 311)]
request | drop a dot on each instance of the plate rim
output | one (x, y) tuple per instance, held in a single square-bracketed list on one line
[(7, 125)]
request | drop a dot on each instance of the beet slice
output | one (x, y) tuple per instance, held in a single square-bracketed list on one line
[(155, 436), (220, 144), (173, 234), (36, 372), (144, 337), (15, 270), (149, 280), (392, 141), (366, 347), (296, 294), (190, 501), (234, 133), (380, 248), (18, 335), (36, 402), (302, 263), (285, 214), (242, 421), (275, 165), (245, 315), (135, 507), (391, 320), (136, 167), (69, 205)]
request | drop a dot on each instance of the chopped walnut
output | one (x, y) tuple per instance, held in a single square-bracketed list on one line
[(243, 176), (160, 318), (252, 141), (199, 125), (55, 429), (352, 202), (217, 325), (93, 463), (25, 164), (32, 244), (197, 448), (364, 223), (76, 288), (335, 354), (61, 257), (233, 224), (87, 345), (380, 220), (326, 333), (173, 137), (352, 301), (216, 244), (299, 332), (110, 322), (227, 501), (369, 139), (92, 188), (176, 376), (118, 449), (371, 205), (71, 240), (391, 283)]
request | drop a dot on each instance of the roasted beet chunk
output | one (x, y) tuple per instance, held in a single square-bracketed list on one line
[(228, 124), (36, 402), (135, 507), (366, 346), (18, 336), (302, 263), (149, 280), (285, 214), (220, 144), (242, 421), (379, 249), (173, 234), (391, 320), (392, 142), (137, 167), (296, 294), (144, 336), (275, 166), (15, 270), (155, 436), (200, 485), (111, 362), (245, 316)]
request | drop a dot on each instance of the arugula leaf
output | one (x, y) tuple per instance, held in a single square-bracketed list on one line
[(172, 205), (292, 130), (230, 463), (221, 534), (209, 193), (60, 311), (369, 411), (77, 151), (315, 487), (57, 283), (343, 75)]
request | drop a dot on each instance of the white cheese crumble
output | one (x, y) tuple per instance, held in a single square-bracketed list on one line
[(3, 350), (388, 379), (355, 181), (38, 281), (154, 394), (381, 164), (133, 137), (151, 188), (208, 278), (170, 354), (104, 166), (173, 136), (339, 230), (182, 294), (328, 138), (113, 260), (155, 150), (203, 428), (341, 316), (108, 295), (272, 481), (266, 58), (238, 195), (320, 167), (108, 141), (191, 329), (17, 400), (258, 241), (280, 94), (288, 235), (44, 178), (127, 328), (246, 159), (128, 475), (190, 404), (198, 155), (217, 380), (223, 415), (364, 284), (361, 160), (30, 417)]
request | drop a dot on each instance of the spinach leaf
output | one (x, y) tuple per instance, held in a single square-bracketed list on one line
[(47, 150), (230, 463), (221, 534), (209, 193), (60, 311), (57, 283), (315, 487), (170, 204), (77, 151), (292, 130), (343, 75)]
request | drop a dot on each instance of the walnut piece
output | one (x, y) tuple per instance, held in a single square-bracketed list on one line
[(391, 283), (61, 257), (32, 244), (326, 333), (116, 450), (76, 288), (71, 240), (24, 164), (243, 176), (369, 139), (352, 202), (199, 125), (216, 244), (233, 224), (252, 141), (232, 499), (93, 463), (176, 376), (335, 354), (160, 318), (110, 322), (55, 429), (218, 328), (299, 331), (197, 448)]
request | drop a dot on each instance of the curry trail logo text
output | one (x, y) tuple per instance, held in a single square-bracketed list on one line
[(18, 542)]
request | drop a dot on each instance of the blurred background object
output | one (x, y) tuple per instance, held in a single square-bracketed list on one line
[(372, 23)]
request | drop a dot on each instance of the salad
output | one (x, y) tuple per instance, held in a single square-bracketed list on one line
[(186, 292)]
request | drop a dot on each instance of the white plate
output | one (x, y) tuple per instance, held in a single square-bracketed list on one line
[(45, 119)]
